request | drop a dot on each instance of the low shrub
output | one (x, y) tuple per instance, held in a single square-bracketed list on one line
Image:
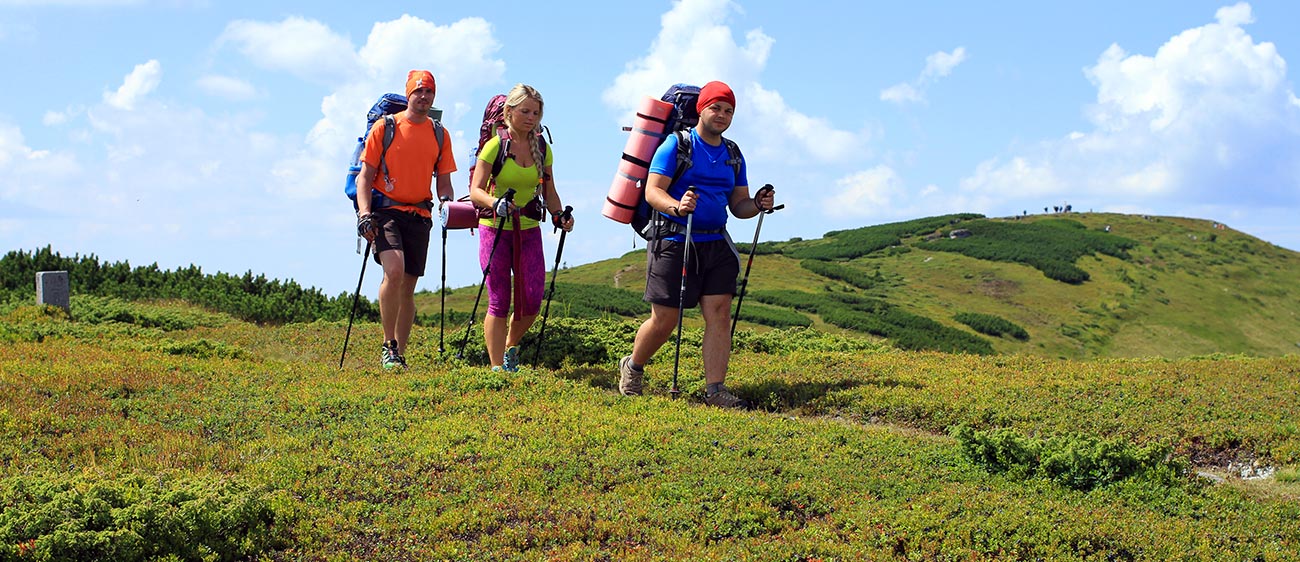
[(1076, 462), (135, 517), (989, 324)]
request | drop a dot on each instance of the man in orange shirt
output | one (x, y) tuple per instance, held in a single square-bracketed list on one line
[(399, 219)]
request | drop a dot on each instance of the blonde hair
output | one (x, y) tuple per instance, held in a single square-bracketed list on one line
[(517, 95)]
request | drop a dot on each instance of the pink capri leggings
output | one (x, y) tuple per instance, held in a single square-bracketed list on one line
[(519, 251)]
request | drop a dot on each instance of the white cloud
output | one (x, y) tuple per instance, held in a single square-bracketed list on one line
[(139, 83), (937, 65), (695, 45), (940, 64), (226, 87), (901, 93), (53, 118), (33, 173), (1207, 120), (820, 138), (866, 193), (304, 48), (461, 57)]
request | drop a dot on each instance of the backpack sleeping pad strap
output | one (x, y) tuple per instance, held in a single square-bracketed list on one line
[(378, 199)]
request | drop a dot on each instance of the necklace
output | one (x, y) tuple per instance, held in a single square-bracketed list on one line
[(713, 153)]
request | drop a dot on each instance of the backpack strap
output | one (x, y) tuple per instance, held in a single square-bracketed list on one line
[(533, 208), (390, 130), (685, 147)]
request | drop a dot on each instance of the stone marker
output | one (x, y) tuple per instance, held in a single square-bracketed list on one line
[(52, 288)]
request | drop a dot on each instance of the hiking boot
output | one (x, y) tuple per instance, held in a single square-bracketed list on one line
[(510, 361), (389, 358), (723, 398), (629, 378)]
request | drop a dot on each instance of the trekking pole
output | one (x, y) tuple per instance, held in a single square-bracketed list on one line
[(559, 250), (753, 249), (681, 297), (365, 257), (460, 354), (442, 295)]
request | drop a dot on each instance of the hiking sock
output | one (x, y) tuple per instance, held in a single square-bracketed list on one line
[(712, 388)]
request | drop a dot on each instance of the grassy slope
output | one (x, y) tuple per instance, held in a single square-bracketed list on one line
[(454, 462), (1187, 289)]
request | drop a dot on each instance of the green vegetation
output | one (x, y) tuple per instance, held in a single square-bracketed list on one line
[(991, 325), (847, 274), (596, 301), (849, 244), (877, 317), (250, 298), (1077, 462), (1052, 246), (216, 439), (97, 516), (1155, 286)]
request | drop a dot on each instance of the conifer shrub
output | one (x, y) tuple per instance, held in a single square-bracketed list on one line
[(247, 297), (989, 324), (1073, 461), (136, 518), (849, 244), (772, 316), (845, 273), (1052, 246)]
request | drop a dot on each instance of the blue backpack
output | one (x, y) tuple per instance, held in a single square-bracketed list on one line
[(387, 106), (683, 117)]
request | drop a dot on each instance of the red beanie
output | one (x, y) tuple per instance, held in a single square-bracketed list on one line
[(417, 79), (715, 91)]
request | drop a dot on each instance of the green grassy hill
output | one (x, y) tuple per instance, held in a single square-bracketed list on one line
[(1151, 286), (166, 431)]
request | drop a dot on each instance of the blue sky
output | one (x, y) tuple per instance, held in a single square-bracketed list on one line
[(217, 133)]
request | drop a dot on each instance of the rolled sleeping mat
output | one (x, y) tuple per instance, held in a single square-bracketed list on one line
[(459, 214), (647, 133)]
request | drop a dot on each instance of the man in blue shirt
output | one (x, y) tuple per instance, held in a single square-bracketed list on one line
[(720, 185)]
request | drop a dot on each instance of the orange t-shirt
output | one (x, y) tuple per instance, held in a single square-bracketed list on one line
[(413, 160)]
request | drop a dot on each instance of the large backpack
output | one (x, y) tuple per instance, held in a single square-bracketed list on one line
[(386, 108), (684, 116), (494, 124)]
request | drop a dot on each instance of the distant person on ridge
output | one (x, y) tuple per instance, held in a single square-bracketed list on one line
[(399, 223), (715, 265), (526, 170)]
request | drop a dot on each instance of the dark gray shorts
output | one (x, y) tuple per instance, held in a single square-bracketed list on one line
[(408, 232), (713, 270)]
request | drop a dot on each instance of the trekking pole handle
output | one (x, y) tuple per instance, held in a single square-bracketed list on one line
[(566, 214), (760, 193), (689, 189)]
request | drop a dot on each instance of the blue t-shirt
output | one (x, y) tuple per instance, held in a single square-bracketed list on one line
[(713, 177)]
